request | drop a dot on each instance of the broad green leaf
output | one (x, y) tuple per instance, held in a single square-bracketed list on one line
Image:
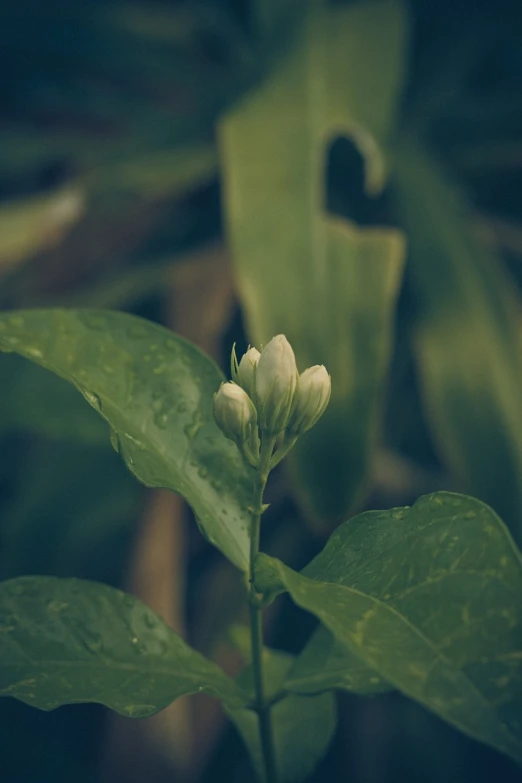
[(303, 726), (429, 597), (467, 336), (330, 286), (326, 663), (155, 390), (68, 640)]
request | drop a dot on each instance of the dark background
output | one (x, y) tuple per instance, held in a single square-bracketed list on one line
[(110, 197)]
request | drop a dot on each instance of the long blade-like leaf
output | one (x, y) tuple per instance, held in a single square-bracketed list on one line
[(467, 337), (328, 285)]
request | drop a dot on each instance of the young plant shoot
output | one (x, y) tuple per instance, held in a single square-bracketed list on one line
[(422, 599), (267, 402)]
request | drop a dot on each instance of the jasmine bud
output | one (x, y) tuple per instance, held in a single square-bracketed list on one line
[(276, 379), (247, 369), (311, 400), (236, 417)]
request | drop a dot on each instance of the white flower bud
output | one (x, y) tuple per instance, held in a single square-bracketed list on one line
[(236, 416), (312, 397), (246, 370), (275, 384)]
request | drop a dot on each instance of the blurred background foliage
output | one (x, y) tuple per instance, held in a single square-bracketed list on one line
[(348, 172)]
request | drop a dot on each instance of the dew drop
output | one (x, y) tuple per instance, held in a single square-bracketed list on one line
[(171, 344), (115, 441), (192, 429), (93, 642), (134, 640), (150, 621), (93, 399), (160, 420), (139, 710), (34, 353)]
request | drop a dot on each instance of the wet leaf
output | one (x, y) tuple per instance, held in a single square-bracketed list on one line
[(155, 390), (64, 641), (429, 597), (326, 663)]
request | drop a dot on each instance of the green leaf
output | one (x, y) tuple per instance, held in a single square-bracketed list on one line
[(429, 597), (326, 663), (170, 172), (328, 285), (68, 640), (303, 726), (33, 224), (155, 390), (467, 336)]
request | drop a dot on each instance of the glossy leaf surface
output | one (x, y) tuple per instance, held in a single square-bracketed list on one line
[(330, 286), (303, 726), (326, 663), (155, 390), (68, 640), (429, 597)]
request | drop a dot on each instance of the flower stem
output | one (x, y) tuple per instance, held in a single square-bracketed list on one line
[(256, 621)]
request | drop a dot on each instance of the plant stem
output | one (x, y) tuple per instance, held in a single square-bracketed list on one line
[(256, 620)]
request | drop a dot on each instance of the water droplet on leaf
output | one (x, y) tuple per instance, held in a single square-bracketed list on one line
[(161, 420), (92, 641), (140, 710), (93, 399)]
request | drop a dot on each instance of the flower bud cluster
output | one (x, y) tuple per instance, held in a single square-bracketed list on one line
[(267, 396)]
